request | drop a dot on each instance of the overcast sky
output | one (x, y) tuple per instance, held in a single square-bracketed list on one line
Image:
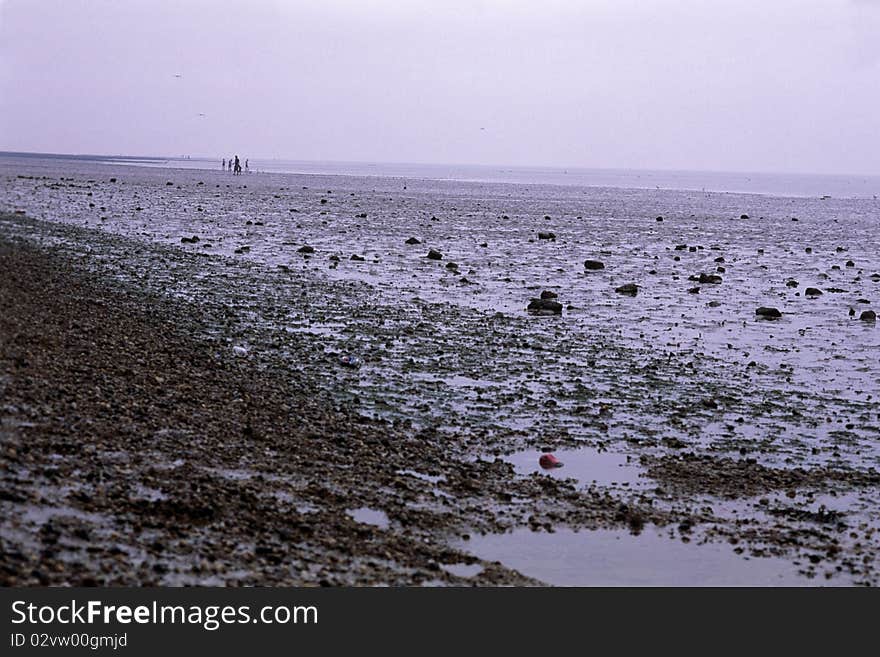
[(741, 85)]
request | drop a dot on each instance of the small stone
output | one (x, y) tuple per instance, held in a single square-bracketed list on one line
[(791, 283), (768, 313), (630, 289), (413, 240), (356, 257), (546, 236), (306, 249), (714, 304), (694, 290), (547, 294), (868, 316), (451, 265), (813, 292), (743, 216), (593, 265), (544, 307), (713, 279), (659, 219), (433, 254), (850, 263)]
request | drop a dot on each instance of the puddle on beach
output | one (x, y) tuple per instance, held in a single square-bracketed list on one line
[(614, 558), (586, 464), (462, 569), (369, 516)]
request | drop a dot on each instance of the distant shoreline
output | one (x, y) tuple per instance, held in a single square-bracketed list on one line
[(792, 185)]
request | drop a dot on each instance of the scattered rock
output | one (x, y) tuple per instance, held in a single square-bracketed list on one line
[(713, 279), (768, 313), (547, 294), (593, 265), (868, 316), (356, 257), (813, 292), (545, 307), (413, 240), (546, 236), (629, 289), (306, 249), (433, 254)]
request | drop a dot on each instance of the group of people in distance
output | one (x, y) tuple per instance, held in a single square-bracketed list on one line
[(234, 166)]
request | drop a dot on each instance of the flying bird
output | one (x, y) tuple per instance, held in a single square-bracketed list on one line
[(178, 75)]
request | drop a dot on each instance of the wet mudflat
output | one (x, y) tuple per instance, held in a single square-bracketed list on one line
[(723, 426)]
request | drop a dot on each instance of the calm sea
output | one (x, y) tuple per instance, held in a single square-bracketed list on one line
[(773, 184)]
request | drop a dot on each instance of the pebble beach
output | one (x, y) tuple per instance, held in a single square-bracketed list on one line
[(288, 379)]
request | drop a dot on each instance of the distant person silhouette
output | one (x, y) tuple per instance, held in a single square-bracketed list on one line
[(246, 168), (230, 164), (237, 166), (223, 164)]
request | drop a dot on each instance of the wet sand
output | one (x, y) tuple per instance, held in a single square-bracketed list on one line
[(178, 412)]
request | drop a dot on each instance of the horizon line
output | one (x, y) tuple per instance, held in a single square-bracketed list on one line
[(562, 167)]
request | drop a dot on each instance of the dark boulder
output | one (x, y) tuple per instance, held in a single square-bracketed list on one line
[(768, 313), (545, 307), (593, 265)]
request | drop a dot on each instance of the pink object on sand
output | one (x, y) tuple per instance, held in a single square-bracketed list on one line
[(548, 461)]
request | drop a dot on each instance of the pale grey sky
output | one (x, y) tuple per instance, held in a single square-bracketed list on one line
[(744, 85)]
